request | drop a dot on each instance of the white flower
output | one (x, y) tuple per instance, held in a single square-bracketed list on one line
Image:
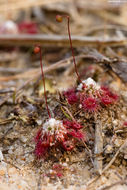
[(89, 83), (9, 27), (54, 127)]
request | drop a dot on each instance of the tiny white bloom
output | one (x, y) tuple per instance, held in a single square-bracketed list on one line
[(53, 126), (9, 27), (10, 24), (88, 82)]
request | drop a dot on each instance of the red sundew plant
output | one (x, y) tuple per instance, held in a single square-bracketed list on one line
[(125, 123), (71, 96), (108, 97), (77, 134), (89, 99), (90, 104), (73, 129), (72, 125), (28, 27), (55, 133), (57, 171), (106, 100), (74, 132), (93, 97)]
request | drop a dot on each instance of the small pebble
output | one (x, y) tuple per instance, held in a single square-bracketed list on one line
[(39, 122), (124, 163), (123, 117), (64, 164), (108, 149), (2, 170), (12, 171), (103, 179), (67, 159), (125, 156), (115, 122), (23, 139), (118, 142)]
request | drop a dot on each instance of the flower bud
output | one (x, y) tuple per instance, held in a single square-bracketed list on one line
[(36, 49), (59, 18)]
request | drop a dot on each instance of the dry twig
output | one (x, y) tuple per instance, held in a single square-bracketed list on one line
[(122, 182), (59, 40), (114, 158), (108, 165), (98, 148), (18, 5)]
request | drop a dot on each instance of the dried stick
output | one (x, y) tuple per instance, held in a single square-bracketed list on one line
[(8, 120), (33, 73), (16, 5), (108, 165), (122, 182), (113, 159), (98, 149), (8, 70), (110, 17), (58, 40), (109, 27), (4, 99)]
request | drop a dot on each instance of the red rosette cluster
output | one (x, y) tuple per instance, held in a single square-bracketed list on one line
[(71, 96), (67, 140)]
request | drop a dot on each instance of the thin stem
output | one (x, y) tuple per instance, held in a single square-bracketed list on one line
[(59, 19), (69, 34), (43, 79)]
